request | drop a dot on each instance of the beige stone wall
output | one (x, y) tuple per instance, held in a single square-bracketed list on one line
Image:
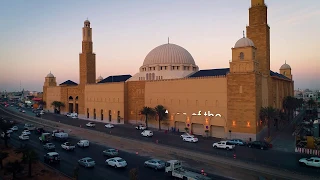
[(52, 94), (100, 99), (135, 100), (189, 96)]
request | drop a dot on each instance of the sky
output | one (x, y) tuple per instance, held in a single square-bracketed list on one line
[(42, 36)]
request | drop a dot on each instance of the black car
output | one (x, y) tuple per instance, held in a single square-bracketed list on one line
[(38, 115), (52, 157), (40, 131), (258, 144)]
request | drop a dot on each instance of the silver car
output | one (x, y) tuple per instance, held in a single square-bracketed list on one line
[(49, 146), (87, 162), (155, 164), (110, 152)]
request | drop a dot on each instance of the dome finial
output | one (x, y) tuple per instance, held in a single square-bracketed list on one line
[(285, 61), (168, 40), (243, 34)]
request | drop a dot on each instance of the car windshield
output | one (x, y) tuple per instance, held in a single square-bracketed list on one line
[(90, 160), (112, 150), (159, 161), (120, 160), (49, 144)]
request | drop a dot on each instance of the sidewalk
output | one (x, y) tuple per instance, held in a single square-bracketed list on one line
[(224, 166)]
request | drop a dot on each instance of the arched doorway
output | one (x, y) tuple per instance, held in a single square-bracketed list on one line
[(77, 106), (110, 115), (70, 102)]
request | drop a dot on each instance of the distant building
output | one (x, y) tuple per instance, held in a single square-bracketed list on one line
[(218, 100)]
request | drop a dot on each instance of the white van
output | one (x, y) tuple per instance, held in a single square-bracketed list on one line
[(61, 136), (83, 143)]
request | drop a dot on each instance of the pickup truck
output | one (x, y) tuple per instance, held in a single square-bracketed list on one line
[(223, 145), (174, 169), (68, 146)]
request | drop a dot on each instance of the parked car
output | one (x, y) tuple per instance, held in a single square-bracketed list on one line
[(312, 162), (141, 127), (258, 144), (87, 162), (83, 143), (91, 124), (147, 133), (190, 139), (23, 137), (27, 132), (109, 126), (155, 164), (52, 157), (14, 128), (186, 135), (49, 146), (68, 146), (223, 145), (110, 152), (238, 142), (116, 162)]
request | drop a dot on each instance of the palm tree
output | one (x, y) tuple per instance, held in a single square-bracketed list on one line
[(3, 155), (290, 104), (161, 113), (148, 111), (311, 103), (28, 156), (14, 168), (57, 105), (268, 114)]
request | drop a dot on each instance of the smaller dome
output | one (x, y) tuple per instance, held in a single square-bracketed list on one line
[(244, 42), (87, 21), (285, 66), (50, 75), (100, 77)]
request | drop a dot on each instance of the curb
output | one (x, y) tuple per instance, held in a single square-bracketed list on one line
[(205, 156)]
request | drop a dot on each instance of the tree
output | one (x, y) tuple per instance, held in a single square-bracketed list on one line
[(41, 103), (5, 126), (3, 155), (161, 113), (134, 174), (148, 111), (14, 168), (268, 114), (289, 105), (28, 156), (76, 172), (57, 105), (311, 103)]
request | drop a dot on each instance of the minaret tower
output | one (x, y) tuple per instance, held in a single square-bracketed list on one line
[(87, 59), (259, 32)]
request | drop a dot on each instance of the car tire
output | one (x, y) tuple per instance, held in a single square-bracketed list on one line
[(115, 166), (227, 148), (156, 169), (215, 147), (262, 148), (249, 146)]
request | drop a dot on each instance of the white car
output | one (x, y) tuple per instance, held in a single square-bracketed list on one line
[(109, 126), (186, 135), (312, 162), (116, 162), (147, 133), (14, 128), (23, 111), (190, 139), (83, 143), (91, 124), (9, 131), (26, 132), (23, 137), (141, 127)]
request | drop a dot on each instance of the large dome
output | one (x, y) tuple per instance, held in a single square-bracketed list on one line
[(244, 42), (168, 54)]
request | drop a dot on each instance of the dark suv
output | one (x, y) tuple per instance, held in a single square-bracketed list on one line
[(52, 157), (258, 144)]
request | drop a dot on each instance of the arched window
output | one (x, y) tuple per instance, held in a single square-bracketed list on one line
[(147, 76), (70, 98), (153, 76), (284, 73), (241, 56)]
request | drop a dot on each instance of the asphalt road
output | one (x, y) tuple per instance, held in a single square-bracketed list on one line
[(283, 160), (100, 171)]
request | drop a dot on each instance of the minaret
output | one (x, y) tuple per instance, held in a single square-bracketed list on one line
[(87, 59), (259, 32)]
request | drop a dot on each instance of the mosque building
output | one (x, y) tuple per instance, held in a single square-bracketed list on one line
[(222, 102)]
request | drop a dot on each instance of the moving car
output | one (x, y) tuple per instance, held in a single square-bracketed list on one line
[(116, 162), (190, 139), (52, 157), (9, 130), (14, 128), (174, 169), (3, 134), (312, 162), (29, 127), (27, 132), (83, 143), (109, 126), (141, 127), (49, 146), (110, 152), (91, 124), (23, 111), (258, 144), (23, 137), (238, 142), (223, 145), (87, 162), (155, 164), (45, 137), (68, 146), (147, 133), (186, 135), (39, 131)]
